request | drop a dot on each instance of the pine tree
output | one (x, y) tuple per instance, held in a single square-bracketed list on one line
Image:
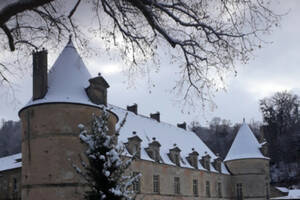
[(105, 173)]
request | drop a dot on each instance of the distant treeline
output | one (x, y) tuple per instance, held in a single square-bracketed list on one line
[(10, 138)]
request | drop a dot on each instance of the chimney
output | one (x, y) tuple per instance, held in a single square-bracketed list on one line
[(40, 76), (133, 108), (155, 116), (183, 125)]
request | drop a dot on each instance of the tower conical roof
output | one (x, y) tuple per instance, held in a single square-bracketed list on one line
[(245, 145), (67, 79)]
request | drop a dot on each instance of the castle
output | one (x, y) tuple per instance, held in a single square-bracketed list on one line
[(174, 162)]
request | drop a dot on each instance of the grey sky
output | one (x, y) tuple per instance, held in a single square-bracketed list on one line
[(274, 68)]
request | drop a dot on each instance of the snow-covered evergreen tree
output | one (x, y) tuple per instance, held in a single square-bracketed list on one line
[(105, 173)]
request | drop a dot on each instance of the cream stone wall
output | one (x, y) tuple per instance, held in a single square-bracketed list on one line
[(253, 174), (186, 175), (50, 146), (7, 188)]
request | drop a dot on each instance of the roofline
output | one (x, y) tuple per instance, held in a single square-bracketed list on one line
[(264, 158), (10, 169), (90, 105), (184, 167)]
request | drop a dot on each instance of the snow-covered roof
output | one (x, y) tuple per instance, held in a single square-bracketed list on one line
[(245, 145), (293, 194), (166, 134), (67, 79), (283, 189), (10, 162)]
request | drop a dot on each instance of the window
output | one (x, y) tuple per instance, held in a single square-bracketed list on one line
[(195, 161), (15, 185), (156, 183), (239, 191), (156, 155), (5, 184), (136, 150), (176, 159), (176, 185), (219, 190), (267, 191), (136, 185), (206, 164), (195, 187), (207, 189)]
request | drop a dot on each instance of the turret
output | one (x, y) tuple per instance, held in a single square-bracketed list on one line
[(50, 142), (248, 165)]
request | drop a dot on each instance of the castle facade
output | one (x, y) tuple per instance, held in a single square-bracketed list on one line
[(174, 162)]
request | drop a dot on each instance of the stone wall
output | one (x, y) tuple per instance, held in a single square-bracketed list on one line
[(186, 176), (10, 184), (253, 174), (50, 148)]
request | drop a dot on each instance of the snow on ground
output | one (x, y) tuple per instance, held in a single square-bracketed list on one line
[(10, 162), (293, 194)]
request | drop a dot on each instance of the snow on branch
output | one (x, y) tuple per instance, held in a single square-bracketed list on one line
[(107, 168)]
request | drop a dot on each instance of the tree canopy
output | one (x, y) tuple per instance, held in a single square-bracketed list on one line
[(281, 112), (207, 36)]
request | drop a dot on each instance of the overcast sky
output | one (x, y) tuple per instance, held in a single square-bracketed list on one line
[(274, 68)]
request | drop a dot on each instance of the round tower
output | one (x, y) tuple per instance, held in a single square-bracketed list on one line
[(62, 99), (249, 167)]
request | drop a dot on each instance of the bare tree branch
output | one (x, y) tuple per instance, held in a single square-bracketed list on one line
[(209, 36), (9, 37)]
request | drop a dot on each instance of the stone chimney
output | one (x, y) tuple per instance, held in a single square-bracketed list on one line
[(182, 125), (155, 116), (97, 90), (40, 74), (133, 108)]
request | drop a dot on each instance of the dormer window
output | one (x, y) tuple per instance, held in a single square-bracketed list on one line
[(205, 161), (153, 150), (133, 145), (193, 158), (136, 149), (156, 155), (174, 155), (217, 164), (206, 165), (176, 159)]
